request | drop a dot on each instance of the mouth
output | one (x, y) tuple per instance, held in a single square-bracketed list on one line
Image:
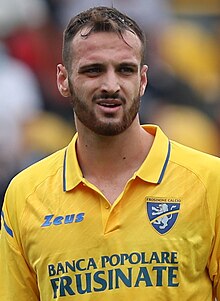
[(109, 106), (109, 103)]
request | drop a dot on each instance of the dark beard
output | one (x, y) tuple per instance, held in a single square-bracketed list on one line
[(89, 119)]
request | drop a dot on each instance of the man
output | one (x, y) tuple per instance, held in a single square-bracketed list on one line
[(122, 213)]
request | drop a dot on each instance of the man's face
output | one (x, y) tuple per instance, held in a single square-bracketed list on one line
[(106, 81)]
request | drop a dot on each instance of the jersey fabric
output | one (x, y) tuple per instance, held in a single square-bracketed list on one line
[(160, 240)]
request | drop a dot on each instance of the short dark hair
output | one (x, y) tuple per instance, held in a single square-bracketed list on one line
[(100, 19)]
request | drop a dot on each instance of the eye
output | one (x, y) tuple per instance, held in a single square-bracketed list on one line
[(92, 71), (126, 70)]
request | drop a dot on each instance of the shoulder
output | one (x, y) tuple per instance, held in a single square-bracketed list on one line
[(201, 174), (203, 165), (30, 185), (27, 180)]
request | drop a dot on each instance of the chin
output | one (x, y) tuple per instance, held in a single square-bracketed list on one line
[(110, 129)]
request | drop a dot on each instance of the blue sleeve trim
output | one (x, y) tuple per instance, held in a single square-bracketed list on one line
[(64, 171), (165, 164), (8, 230)]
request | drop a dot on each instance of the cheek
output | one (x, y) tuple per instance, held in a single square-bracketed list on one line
[(84, 88), (134, 89)]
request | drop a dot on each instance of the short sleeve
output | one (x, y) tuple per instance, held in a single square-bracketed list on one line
[(17, 280)]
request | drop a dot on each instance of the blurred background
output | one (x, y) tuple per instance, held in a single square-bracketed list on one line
[(183, 93)]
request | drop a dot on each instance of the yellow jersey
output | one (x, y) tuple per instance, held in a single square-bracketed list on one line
[(160, 240)]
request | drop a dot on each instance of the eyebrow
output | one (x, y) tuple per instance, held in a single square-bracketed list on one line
[(102, 65)]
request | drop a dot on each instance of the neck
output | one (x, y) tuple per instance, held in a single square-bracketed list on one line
[(123, 153)]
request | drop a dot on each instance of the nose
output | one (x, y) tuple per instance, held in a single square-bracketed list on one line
[(110, 82)]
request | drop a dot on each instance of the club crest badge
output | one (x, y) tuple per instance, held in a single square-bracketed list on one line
[(162, 212)]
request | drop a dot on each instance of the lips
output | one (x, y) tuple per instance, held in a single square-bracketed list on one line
[(109, 103)]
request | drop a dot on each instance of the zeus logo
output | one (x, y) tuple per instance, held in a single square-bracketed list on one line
[(61, 220)]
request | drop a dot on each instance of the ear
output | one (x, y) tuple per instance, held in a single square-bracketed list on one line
[(143, 83), (62, 81)]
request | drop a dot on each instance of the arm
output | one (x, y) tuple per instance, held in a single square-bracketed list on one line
[(17, 279)]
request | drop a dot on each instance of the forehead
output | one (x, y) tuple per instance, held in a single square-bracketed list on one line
[(106, 45)]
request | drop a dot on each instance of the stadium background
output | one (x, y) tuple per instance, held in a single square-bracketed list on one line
[(183, 94)]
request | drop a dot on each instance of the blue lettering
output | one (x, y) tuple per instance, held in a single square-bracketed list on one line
[(58, 220), (47, 221), (165, 257), (100, 281), (172, 276), (143, 276), (154, 257), (60, 268), (79, 281), (55, 286), (51, 270), (125, 279), (174, 257), (124, 257), (104, 259), (65, 282), (159, 275), (63, 285), (134, 258), (79, 217), (69, 219), (143, 259), (91, 264), (70, 266), (110, 279), (80, 268), (114, 260)]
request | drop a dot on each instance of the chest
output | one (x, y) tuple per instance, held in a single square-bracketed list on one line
[(78, 240), (82, 221)]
